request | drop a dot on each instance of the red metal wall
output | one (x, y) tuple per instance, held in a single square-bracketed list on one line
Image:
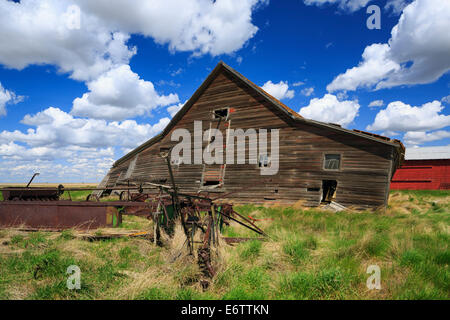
[(422, 175)]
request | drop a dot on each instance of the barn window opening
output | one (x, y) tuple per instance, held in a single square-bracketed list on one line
[(221, 113), (328, 190), (332, 162), (164, 152), (263, 161), (212, 177), (210, 183)]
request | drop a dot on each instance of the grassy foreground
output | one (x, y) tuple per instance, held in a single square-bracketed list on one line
[(312, 254)]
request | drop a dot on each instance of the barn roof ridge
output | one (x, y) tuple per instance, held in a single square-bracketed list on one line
[(277, 103)]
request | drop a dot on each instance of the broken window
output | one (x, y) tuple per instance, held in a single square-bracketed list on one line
[(329, 190), (210, 183), (164, 152), (221, 113), (263, 161), (332, 162), (212, 177)]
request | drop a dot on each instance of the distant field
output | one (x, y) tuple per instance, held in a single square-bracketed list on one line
[(311, 254), (71, 185), (76, 195)]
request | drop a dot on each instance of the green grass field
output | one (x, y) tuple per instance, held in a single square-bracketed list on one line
[(311, 254)]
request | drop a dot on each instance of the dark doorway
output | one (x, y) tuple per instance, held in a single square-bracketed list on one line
[(328, 190)]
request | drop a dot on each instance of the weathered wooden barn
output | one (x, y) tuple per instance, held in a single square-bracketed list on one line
[(318, 162)]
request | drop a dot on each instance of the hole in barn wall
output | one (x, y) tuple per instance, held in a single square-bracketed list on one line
[(328, 190), (211, 183)]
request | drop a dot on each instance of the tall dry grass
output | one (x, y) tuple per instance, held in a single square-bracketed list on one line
[(311, 254)]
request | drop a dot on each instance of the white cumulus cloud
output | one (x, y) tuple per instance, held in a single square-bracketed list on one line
[(201, 26), (376, 103), (279, 90), (7, 97), (88, 41), (346, 5), (307, 91), (375, 66), (38, 32), (175, 108), (119, 94), (418, 51), (397, 6), (446, 99), (420, 137), (62, 145), (399, 116), (43, 32), (56, 128), (330, 109), (354, 5)]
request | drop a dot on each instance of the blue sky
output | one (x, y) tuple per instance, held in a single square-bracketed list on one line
[(301, 47)]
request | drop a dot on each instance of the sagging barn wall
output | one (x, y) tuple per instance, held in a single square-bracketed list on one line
[(362, 180)]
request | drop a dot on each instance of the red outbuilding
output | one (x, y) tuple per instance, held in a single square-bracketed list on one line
[(425, 168)]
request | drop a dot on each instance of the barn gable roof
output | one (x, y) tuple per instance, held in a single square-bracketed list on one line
[(221, 66)]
